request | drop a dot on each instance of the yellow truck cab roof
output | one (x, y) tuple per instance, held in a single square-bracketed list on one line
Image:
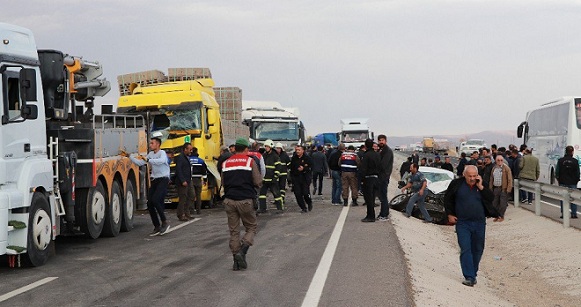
[(168, 93)]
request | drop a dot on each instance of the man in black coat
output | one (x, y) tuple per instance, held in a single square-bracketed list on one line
[(183, 182), (300, 170), (371, 168), (386, 156)]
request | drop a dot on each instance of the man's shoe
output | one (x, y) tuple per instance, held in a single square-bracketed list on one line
[(320, 193), (345, 202), (524, 201), (155, 232), (406, 215), (235, 266), (164, 229), (198, 211), (468, 282), (530, 203), (427, 222), (382, 219), (310, 206), (304, 211), (573, 216), (368, 220), (183, 218), (354, 203)]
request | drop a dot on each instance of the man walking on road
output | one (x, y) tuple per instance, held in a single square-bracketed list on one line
[(500, 184), (300, 170), (319, 169), (284, 165), (567, 173), (386, 155), (183, 182), (240, 177), (159, 163), (467, 204), (270, 181), (199, 173), (371, 168)]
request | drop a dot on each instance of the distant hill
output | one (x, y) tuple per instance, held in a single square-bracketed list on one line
[(501, 138)]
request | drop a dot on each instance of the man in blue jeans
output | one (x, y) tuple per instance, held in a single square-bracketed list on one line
[(335, 167), (567, 173), (418, 184), (468, 202)]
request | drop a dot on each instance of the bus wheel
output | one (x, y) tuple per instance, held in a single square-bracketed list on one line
[(39, 231), (114, 212), (128, 207), (93, 211)]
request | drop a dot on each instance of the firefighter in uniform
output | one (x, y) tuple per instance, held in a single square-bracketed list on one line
[(199, 173), (270, 181), (241, 177), (284, 165)]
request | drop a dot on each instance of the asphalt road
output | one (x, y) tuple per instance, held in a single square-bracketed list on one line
[(192, 265)]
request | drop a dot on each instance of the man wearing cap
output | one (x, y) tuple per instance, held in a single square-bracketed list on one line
[(284, 165), (159, 164), (240, 177), (270, 180)]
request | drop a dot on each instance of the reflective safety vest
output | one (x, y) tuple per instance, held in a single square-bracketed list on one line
[(348, 162), (237, 177)]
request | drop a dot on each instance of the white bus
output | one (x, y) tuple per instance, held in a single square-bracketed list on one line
[(548, 129)]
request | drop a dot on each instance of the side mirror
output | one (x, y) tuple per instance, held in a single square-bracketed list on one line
[(29, 111), (27, 85)]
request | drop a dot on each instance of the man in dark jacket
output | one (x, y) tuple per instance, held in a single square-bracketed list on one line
[(467, 204), (335, 167), (386, 155), (199, 174), (567, 173), (319, 169), (183, 182), (371, 169), (300, 170)]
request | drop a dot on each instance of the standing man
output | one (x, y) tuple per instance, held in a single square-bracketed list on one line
[(418, 183), (284, 165), (500, 183), (199, 173), (241, 177), (300, 170), (159, 164), (319, 169), (225, 154), (461, 164), (349, 162), (467, 204), (529, 170), (335, 167), (183, 182), (371, 168), (447, 165), (270, 181), (567, 173), (386, 156)]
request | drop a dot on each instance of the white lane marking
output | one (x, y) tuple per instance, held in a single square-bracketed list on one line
[(172, 228), (318, 283), (33, 285)]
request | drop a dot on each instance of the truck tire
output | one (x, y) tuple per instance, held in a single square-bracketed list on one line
[(129, 207), (114, 212), (93, 211), (39, 231)]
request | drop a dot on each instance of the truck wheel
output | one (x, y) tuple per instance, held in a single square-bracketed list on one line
[(93, 212), (39, 231), (128, 207), (114, 212)]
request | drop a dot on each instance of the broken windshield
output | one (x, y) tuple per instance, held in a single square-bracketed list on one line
[(184, 119)]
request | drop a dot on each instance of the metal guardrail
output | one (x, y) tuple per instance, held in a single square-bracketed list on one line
[(566, 195)]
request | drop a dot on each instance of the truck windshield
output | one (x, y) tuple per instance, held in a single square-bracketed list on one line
[(276, 131), (177, 120), (355, 136)]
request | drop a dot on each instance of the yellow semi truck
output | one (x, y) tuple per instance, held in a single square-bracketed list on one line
[(183, 111)]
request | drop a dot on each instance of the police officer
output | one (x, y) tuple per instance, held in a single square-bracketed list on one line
[(270, 181), (240, 177), (349, 162), (199, 173)]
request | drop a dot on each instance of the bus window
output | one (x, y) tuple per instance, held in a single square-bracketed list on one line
[(578, 112)]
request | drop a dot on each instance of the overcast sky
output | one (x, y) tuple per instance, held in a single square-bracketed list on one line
[(412, 67)]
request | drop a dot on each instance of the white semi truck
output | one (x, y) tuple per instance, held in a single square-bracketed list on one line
[(60, 171), (269, 120), (354, 131)]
